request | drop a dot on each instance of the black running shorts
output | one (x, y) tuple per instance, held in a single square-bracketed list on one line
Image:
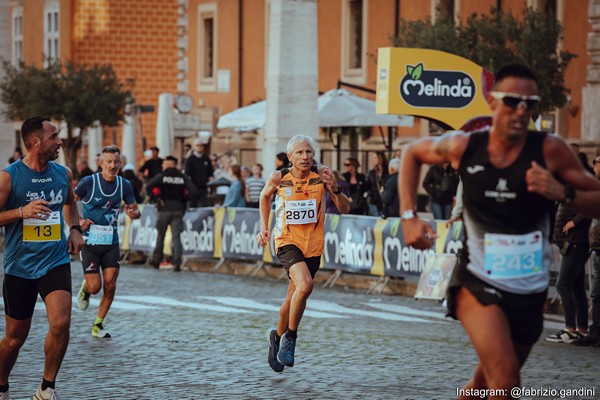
[(290, 255), (20, 294), (524, 312), (95, 256)]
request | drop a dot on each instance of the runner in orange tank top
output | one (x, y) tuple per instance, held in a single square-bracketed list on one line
[(298, 235)]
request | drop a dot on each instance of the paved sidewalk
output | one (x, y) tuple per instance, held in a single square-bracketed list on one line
[(194, 335)]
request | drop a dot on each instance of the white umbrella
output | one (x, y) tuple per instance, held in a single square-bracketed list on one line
[(337, 107)]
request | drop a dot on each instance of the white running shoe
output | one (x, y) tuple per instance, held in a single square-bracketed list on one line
[(99, 332), (83, 298), (48, 394), (4, 395)]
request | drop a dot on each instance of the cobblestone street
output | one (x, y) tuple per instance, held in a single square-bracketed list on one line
[(193, 335)]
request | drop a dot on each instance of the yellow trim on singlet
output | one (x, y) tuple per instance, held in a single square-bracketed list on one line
[(307, 237)]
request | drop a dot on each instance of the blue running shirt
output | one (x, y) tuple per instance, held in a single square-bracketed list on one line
[(31, 252), (101, 203)]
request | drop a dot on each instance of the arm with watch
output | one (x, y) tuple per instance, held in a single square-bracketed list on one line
[(339, 199)]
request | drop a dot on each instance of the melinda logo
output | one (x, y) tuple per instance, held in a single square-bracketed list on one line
[(436, 89)]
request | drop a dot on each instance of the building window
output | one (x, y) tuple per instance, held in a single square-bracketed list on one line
[(443, 8), (354, 28), (17, 35), (207, 47), (51, 32)]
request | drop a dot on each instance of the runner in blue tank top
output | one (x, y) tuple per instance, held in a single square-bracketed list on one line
[(36, 199), (510, 179), (102, 195)]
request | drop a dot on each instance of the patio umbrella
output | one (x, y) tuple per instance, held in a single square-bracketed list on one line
[(336, 108)]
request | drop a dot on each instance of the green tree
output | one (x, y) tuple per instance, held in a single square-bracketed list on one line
[(497, 39), (78, 95)]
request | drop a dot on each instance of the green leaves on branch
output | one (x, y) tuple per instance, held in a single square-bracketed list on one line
[(76, 94), (496, 39)]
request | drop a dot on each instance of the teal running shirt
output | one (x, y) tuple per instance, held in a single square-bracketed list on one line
[(32, 246)]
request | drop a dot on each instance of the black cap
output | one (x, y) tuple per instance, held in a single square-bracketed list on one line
[(171, 158)]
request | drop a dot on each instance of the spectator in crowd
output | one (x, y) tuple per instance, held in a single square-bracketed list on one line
[(187, 152), (377, 176), (582, 157), (254, 185), (237, 190), (390, 199), (330, 206), (281, 161), (593, 336), (246, 172), (152, 166), (169, 191), (18, 154), (128, 172), (199, 168), (214, 162), (359, 187), (82, 168), (98, 162), (440, 183), (571, 230), (224, 173)]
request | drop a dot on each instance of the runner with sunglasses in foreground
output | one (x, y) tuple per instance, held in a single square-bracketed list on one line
[(511, 177)]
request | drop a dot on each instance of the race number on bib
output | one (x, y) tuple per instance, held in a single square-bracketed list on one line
[(513, 256), (42, 230), (100, 234), (299, 212)]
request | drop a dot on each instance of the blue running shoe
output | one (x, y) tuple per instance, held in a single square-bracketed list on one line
[(273, 350), (287, 346)]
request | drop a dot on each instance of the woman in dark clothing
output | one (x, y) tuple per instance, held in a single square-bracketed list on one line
[(359, 187), (377, 176)]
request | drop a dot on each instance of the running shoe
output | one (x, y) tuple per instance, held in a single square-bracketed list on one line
[(99, 332), (273, 350), (4, 395), (287, 346), (83, 298), (47, 394), (564, 336)]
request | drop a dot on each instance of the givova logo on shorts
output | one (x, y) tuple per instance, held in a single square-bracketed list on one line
[(436, 89)]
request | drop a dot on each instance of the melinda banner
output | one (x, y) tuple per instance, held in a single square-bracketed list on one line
[(431, 84)]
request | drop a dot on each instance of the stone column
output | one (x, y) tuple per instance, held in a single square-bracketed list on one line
[(7, 138), (292, 77), (591, 92)]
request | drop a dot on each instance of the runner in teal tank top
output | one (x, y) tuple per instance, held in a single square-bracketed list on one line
[(36, 199)]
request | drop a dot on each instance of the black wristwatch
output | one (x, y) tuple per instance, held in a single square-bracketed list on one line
[(77, 227), (569, 194), (338, 190)]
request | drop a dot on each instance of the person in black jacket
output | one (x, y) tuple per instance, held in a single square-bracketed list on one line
[(377, 176), (169, 191), (199, 168), (571, 236), (359, 187), (389, 198), (440, 183)]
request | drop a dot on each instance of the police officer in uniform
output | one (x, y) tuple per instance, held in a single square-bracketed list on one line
[(169, 191)]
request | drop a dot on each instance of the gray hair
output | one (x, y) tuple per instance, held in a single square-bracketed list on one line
[(394, 164), (300, 139), (113, 149)]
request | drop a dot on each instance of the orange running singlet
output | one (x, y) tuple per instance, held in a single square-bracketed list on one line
[(300, 213)]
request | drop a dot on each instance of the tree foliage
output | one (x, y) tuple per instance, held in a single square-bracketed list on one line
[(497, 39), (77, 95)]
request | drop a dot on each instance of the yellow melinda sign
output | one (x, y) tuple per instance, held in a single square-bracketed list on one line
[(430, 84)]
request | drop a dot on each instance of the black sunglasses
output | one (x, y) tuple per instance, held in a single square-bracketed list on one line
[(516, 101)]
